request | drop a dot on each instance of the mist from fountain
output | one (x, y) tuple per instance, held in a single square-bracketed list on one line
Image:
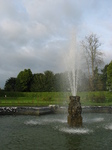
[(73, 65)]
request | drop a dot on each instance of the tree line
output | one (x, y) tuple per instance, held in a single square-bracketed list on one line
[(38, 82), (91, 78), (49, 82)]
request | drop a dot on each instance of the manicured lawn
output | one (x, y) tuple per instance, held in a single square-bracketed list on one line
[(58, 98), (34, 99), (98, 98)]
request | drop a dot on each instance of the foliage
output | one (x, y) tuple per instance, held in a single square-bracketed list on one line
[(97, 81), (83, 84), (23, 81), (61, 82), (37, 84), (49, 81), (104, 77), (109, 76), (10, 84)]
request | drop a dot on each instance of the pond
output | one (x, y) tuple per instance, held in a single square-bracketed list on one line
[(51, 132)]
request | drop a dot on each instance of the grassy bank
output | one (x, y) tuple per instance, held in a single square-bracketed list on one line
[(59, 98)]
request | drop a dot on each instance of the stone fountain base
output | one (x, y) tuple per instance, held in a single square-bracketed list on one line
[(74, 110)]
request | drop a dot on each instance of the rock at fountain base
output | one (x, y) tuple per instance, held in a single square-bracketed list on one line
[(74, 110)]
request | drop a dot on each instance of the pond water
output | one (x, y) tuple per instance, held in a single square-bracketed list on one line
[(51, 132)]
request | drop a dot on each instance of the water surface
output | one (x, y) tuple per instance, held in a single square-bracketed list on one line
[(51, 132)]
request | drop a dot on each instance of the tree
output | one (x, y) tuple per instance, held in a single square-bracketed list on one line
[(10, 84), (38, 83), (109, 77), (104, 77), (57, 82), (43, 82), (93, 55), (83, 83), (97, 81), (23, 81), (49, 81)]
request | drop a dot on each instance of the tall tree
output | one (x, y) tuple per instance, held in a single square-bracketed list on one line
[(49, 81), (38, 83), (109, 76), (97, 81), (104, 77), (83, 83), (93, 55), (23, 81), (57, 82), (10, 84)]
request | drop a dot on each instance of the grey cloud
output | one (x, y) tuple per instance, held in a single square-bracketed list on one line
[(35, 33)]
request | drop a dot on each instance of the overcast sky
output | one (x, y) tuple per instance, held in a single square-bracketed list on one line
[(35, 33)]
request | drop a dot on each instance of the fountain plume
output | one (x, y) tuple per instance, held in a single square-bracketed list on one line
[(73, 65)]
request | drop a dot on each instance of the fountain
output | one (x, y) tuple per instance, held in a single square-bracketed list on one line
[(74, 108)]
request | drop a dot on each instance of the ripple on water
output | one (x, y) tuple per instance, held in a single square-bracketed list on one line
[(56, 120), (44, 121), (76, 131), (32, 122), (99, 119), (108, 127)]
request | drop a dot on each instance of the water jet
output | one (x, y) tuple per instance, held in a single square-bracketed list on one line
[(73, 62)]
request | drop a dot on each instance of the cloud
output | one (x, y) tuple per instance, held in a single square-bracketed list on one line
[(35, 34)]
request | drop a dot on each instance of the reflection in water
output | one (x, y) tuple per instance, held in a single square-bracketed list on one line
[(73, 142)]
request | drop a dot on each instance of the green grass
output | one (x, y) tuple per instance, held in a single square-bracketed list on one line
[(59, 98), (102, 98), (33, 98)]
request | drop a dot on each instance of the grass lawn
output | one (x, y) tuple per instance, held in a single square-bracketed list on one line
[(33, 98), (58, 98)]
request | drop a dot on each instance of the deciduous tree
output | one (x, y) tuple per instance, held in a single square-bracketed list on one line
[(49, 81), (92, 55), (38, 83), (104, 77), (24, 79), (10, 84), (109, 76)]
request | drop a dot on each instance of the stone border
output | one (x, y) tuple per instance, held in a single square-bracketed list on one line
[(26, 110), (50, 110), (89, 109), (97, 109)]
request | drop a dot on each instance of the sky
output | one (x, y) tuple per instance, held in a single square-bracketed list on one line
[(35, 34)]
